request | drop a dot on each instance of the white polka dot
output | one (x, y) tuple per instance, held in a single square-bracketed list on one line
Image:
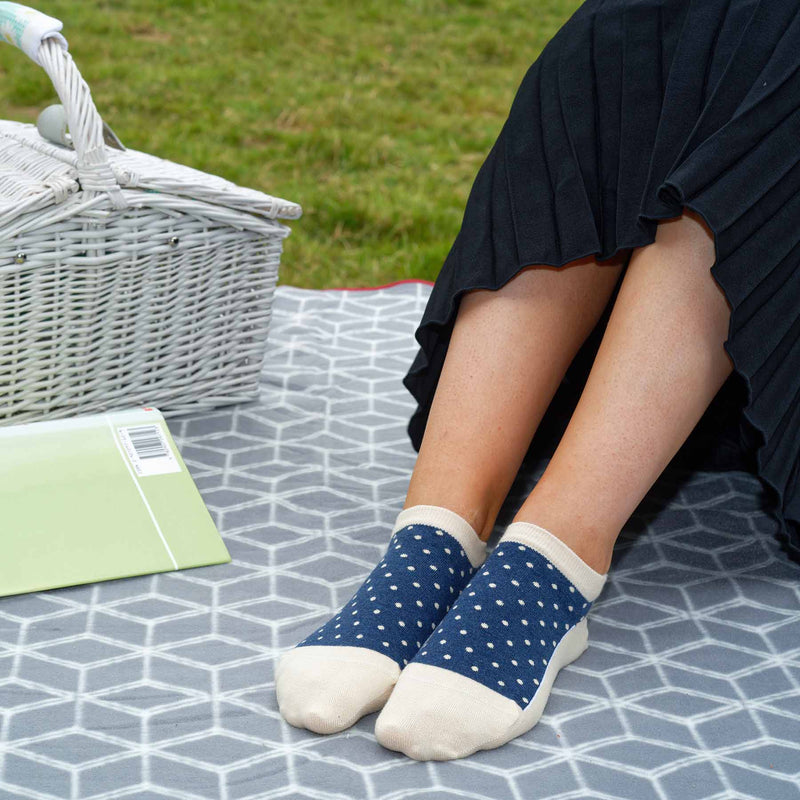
[(463, 632), (484, 625), (499, 552), (569, 607), (490, 645), (381, 628), (492, 585), (506, 566), (419, 624), (524, 699), (520, 547), (427, 552), (387, 575), (405, 661), (554, 586), (457, 616), (398, 605), (531, 662), (543, 642), (541, 622), (474, 668), (535, 680), (515, 583), (404, 642), (433, 567), (529, 565), (555, 606), (514, 662), (385, 644), (403, 555), (417, 537), (519, 681), (499, 602), (439, 533), (401, 623), (419, 603), (373, 598), (376, 611), (447, 656), (544, 661), (524, 621), (572, 588), (509, 643), (528, 642), (356, 622), (410, 568), (451, 570), (549, 565), (540, 603), (436, 586), (536, 584), (566, 626), (521, 602), (468, 649), (505, 622), (338, 636), (500, 683), (360, 636)]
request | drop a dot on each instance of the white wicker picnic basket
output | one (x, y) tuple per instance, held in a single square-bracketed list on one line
[(125, 279)]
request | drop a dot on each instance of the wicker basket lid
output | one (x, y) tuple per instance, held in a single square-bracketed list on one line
[(35, 172)]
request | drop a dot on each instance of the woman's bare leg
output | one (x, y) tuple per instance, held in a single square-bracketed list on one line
[(659, 365), (507, 355)]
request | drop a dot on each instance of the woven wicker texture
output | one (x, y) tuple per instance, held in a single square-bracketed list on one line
[(126, 279)]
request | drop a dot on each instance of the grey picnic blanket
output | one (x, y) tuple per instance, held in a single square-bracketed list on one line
[(161, 686)]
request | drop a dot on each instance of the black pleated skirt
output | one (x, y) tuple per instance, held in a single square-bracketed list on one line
[(634, 110)]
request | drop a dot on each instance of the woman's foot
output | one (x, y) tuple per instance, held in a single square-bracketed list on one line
[(485, 674), (348, 667)]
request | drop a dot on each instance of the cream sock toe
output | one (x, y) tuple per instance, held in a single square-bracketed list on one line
[(435, 714), (328, 689)]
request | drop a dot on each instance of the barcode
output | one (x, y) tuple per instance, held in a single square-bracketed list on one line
[(148, 450), (147, 442)]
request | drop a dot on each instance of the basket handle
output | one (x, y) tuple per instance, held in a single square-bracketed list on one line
[(39, 37)]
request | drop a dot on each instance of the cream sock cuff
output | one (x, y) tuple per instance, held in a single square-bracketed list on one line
[(448, 521), (588, 582)]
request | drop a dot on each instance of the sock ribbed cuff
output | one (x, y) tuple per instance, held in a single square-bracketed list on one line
[(588, 582), (448, 521)]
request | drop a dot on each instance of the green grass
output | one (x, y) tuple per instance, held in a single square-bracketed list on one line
[(375, 116)]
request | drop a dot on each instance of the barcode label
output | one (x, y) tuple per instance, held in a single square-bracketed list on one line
[(148, 450)]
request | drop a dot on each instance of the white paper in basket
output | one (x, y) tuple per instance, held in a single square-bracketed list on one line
[(26, 28)]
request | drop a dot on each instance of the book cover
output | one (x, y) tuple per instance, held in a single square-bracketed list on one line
[(98, 497)]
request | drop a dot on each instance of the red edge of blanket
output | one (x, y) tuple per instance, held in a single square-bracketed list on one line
[(369, 288)]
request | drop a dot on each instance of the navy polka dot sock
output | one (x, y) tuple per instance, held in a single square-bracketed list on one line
[(348, 666), (484, 675)]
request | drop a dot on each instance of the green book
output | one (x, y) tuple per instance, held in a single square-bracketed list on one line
[(98, 497)]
